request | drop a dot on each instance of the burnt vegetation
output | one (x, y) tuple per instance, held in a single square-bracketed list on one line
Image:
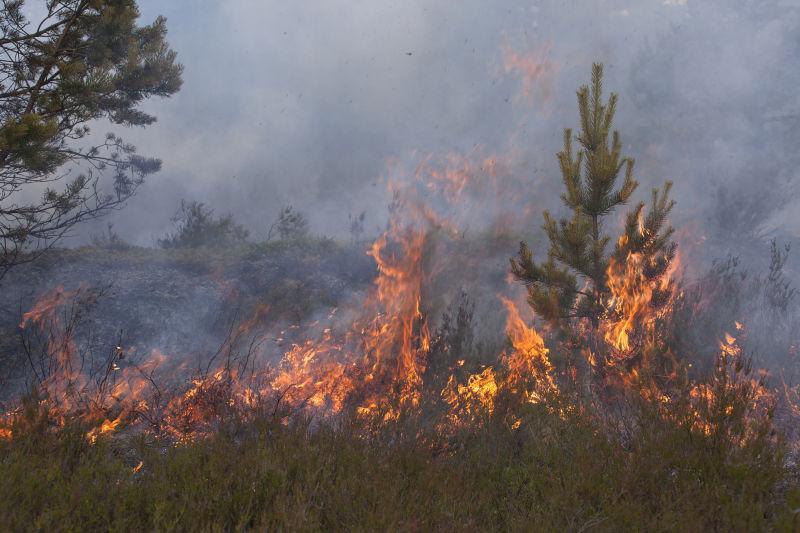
[(408, 380)]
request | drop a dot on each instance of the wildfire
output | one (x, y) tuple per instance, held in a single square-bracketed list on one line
[(383, 352), (106, 427), (525, 370), (375, 363), (732, 390), (466, 402), (632, 307), (311, 373), (528, 360)]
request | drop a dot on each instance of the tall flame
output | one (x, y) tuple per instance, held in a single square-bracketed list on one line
[(631, 305)]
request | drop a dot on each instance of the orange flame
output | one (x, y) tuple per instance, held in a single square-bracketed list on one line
[(630, 306), (526, 370), (528, 359)]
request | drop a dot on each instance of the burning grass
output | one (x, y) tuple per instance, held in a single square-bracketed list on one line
[(380, 422), (378, 416)]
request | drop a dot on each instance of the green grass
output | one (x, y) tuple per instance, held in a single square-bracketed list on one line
[(550, 474)]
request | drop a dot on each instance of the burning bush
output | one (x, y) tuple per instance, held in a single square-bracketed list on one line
[(580, 289)]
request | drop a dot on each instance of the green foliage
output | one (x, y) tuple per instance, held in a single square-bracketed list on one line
[(28, 138), (84, 60), (573, 282), (196, 226)]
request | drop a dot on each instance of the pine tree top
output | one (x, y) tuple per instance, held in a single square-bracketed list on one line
[(573, 282)]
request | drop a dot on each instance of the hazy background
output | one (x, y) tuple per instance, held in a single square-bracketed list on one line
[(305, 102)]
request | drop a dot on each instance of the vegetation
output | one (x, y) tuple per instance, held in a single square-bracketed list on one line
[(387, 420), (565, 463), (551, 473), (290, 225), (578, 245), (768, 301), (196, 226), (357, 227), (110, 240), (84, 60)]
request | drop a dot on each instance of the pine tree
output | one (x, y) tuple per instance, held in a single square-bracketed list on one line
[(572, 285), (83, 60)]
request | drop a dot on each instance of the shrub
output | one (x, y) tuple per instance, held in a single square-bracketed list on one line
[(555, 471), (196, 226), (110, 240), (357, 227), (290, 225)]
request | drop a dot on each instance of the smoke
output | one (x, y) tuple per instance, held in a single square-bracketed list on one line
[(306, 103)]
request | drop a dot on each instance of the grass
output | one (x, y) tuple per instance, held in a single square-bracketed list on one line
[(551, 473), (580, 470)]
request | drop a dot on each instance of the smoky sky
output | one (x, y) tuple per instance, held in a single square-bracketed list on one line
[(305, 102)]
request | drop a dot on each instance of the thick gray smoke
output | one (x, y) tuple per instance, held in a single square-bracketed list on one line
[(304, 103)]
